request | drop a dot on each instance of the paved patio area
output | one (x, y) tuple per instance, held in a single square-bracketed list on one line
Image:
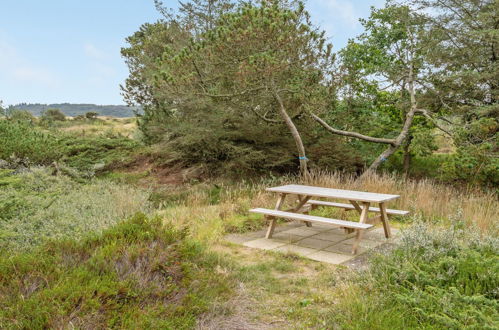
[(324, 243)]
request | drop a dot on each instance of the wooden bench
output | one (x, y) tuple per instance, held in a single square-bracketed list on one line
[(351, 207), (273, 214)]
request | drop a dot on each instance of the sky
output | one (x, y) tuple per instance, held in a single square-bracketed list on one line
[(56, 51)]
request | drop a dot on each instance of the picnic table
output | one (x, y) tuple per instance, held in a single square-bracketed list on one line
[(357, 200)]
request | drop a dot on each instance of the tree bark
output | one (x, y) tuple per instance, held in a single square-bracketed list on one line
[(294, 131), (409, 118), (393, 144), (407, 157)]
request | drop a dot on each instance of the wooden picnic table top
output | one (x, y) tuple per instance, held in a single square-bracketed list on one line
[(353, 195)]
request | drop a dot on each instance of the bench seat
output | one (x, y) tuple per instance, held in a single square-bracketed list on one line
[(351, 207), (311, 218)]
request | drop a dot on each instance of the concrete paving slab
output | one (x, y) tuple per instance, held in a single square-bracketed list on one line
[(302, 231), (264, 244), (314, 243), (343, 248), (330, 236), (291, 248), (330, 257), (323, 243), (378, 234), (365, 243), (286, 237)]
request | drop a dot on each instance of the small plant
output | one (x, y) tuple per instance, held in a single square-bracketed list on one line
[(436, 278)]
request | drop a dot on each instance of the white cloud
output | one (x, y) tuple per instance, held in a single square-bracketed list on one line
[(18, 69), (34, 75), (93, 52)]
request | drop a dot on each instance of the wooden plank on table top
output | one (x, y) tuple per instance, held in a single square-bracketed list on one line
[(361, 196)]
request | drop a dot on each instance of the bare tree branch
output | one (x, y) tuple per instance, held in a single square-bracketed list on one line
[(351, 134), (231, 95), (426, 114)]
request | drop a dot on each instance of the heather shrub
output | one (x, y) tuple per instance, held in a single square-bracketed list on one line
[(61, 207)]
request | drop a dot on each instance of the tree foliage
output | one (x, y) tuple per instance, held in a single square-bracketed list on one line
[(238, 93)]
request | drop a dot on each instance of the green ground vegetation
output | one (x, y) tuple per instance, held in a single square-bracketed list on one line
[(120, 223)]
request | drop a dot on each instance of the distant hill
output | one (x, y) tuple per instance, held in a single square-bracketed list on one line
[(72, 110)]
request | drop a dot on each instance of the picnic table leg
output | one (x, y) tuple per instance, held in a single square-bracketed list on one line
[(302, 201), (359, 209), (363, 219), (273, 220), (384, 220)]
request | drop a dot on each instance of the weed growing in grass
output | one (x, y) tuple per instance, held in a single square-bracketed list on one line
[(36, 206), (140, 274)]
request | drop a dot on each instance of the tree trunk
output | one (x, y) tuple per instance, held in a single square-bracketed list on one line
[(296, 135), (407, 157), (404, 133)]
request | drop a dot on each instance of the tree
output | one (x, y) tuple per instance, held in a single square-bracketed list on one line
[(390, 56), (465, 54), (262, 60)]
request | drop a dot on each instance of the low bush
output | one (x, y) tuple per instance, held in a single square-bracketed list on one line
[(51, 115), (37, 206), (139, 274), (22, 140), (37, 147), (439, 279)]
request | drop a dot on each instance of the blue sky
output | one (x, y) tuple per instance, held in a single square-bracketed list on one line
[(56, 51)]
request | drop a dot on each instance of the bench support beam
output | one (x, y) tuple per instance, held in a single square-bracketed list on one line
[(302, 200)]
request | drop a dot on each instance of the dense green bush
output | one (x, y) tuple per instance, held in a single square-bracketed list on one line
[(91, 115), (23, 140), (21, 115), (51, 115), (37, 147), (138, 275)]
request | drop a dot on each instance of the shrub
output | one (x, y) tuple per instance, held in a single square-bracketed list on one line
[(60, 208), (435, 279), (21, 116), (27, 142), (91, 115), (138, 275), (23, 140), (51, 115)]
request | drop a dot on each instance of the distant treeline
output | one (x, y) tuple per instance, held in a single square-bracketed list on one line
[(70, 109)]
